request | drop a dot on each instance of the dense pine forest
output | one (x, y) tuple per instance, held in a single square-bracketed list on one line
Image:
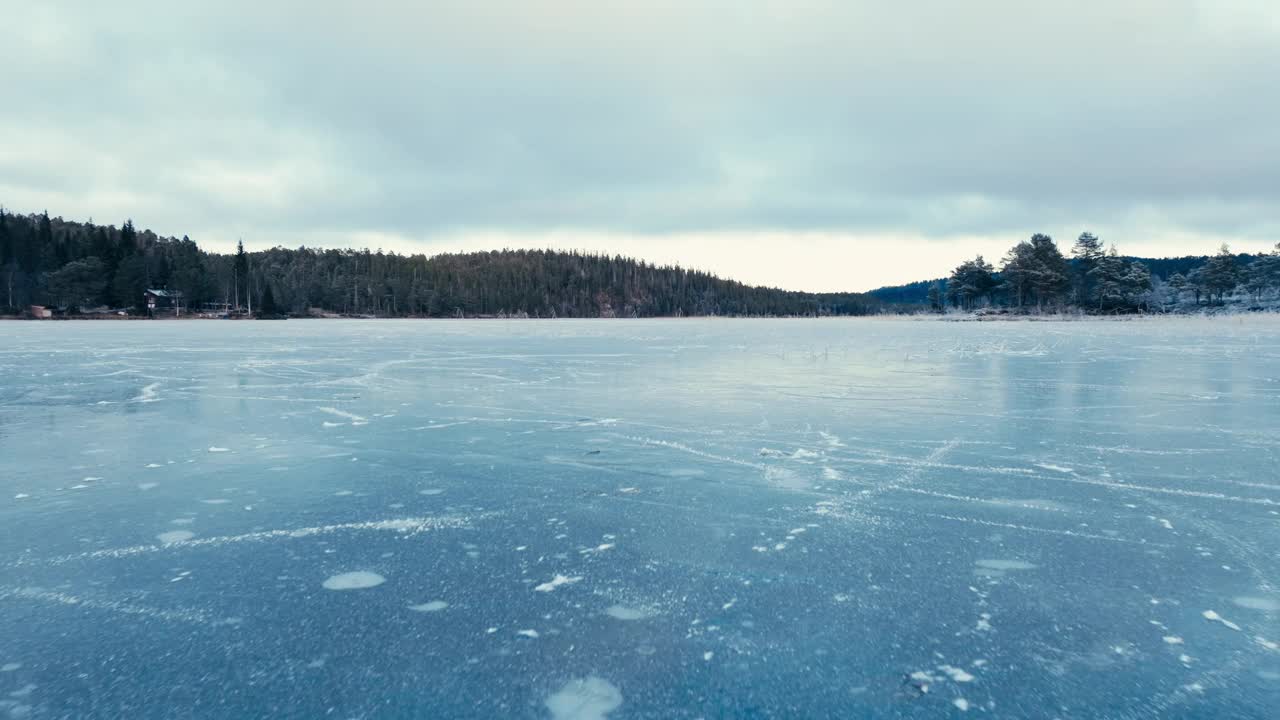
[(83, 267)]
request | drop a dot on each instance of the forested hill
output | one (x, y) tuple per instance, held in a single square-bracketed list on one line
[(54, 262), (917, 293)]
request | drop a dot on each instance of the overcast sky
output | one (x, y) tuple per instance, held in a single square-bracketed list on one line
[(800, 143)]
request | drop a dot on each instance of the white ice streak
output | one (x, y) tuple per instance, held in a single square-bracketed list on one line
[(556, 582), (1029, 528), (406, 526), (1264, 604), (1055, 468), (1005, 564), (342, 414), (185, 615)]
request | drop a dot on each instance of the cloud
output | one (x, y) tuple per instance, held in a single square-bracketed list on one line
[(820, 126)]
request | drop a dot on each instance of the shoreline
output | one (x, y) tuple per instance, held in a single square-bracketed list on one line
[(918, 317)]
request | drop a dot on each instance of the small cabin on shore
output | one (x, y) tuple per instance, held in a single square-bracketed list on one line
[(160, 300), (40, 312)]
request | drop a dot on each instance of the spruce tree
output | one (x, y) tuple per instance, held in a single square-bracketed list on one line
[(267, 307), (240, 270)]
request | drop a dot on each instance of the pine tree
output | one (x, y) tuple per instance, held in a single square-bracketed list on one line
[(970, 282), (1051, 275), (1087, 253), (1018, 271)]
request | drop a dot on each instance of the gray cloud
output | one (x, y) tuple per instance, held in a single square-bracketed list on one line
[(291, 121)]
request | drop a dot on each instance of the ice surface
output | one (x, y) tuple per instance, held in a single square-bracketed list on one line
[(873, 518), (622, 612)]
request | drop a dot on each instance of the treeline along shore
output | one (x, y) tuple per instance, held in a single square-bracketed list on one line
[(51, 267)]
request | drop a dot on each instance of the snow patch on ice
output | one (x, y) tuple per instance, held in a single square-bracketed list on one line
[(356, 580), (148, 394), (175, 536), (1212, 616), (959, 675), (215, 449), (590, 698), (430, 607)]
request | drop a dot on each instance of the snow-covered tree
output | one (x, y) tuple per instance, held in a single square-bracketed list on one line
[(1178, 285), (1263, 274), (1108, 280), (935, 297), (1137, 285), (1220, 274)]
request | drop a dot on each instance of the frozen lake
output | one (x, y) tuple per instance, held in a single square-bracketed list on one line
[(640, 519)]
